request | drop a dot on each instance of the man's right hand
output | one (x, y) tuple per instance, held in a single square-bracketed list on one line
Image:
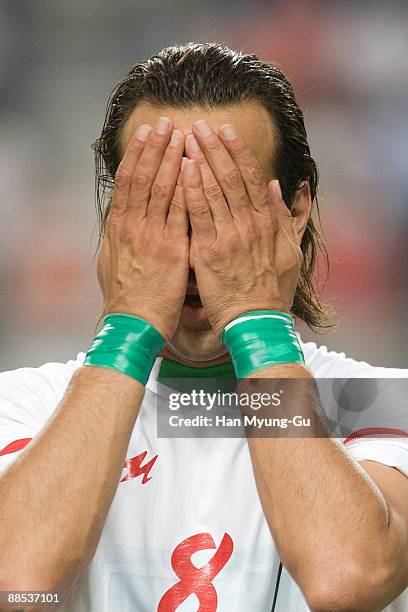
[(143, 261)]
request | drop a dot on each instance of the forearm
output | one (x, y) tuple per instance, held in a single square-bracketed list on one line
[(329, 520), (54, 499)]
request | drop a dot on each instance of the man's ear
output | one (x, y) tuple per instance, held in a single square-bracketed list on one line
[(301, 208)]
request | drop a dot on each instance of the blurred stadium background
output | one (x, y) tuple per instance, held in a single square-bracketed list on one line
[(58, 63)]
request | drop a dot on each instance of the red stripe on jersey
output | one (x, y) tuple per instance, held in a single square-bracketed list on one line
[(15, 446), (382, 432)]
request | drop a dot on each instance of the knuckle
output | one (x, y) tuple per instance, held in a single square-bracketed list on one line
[(194, 185), (154, 143), (232, 178), (240, 148), (214, 146), (241, 200), (177, 202), (160, 190), (199, 209), (171, 154), (122, 178), (134, 146), (141, 180), (256, 176), (213, 192)]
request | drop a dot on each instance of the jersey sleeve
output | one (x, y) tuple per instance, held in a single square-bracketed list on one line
[(389, 451), (28, 398), (367, 404), (377, 420)]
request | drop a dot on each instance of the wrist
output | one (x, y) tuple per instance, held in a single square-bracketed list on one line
[(284, 370), (149, 314), (126, 343), (227, 316), (260, 339)]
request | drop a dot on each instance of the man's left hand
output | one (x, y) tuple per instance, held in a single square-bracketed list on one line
[(246, 251)]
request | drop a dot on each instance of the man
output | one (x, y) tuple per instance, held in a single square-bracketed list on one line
[(207, 247)]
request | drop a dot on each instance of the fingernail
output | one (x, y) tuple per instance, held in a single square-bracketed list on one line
[(189, 167), (228, 132), (175, 138), (163, 125), (202, 127), (192, 144), (143, 132)]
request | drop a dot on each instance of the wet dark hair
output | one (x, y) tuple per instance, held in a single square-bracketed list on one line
[(210, 75)]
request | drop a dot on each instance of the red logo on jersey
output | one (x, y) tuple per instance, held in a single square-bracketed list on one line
[(135, 467), (197, 580), (134, 464)]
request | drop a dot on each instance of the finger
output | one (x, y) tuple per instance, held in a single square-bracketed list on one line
[(225, 170), (165, 181), (147, 167), (283, 218), (277, 201), (246, 162), (124, 172), (278, 211), (212, 190), (198, 209), (177, 219)]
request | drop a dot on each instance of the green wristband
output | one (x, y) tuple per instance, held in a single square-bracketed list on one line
[(261, 338), (126, 343)]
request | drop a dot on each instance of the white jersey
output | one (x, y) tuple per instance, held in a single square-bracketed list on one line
[(186, 527)]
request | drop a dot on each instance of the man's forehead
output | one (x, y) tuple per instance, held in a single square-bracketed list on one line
[(250, 119)]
